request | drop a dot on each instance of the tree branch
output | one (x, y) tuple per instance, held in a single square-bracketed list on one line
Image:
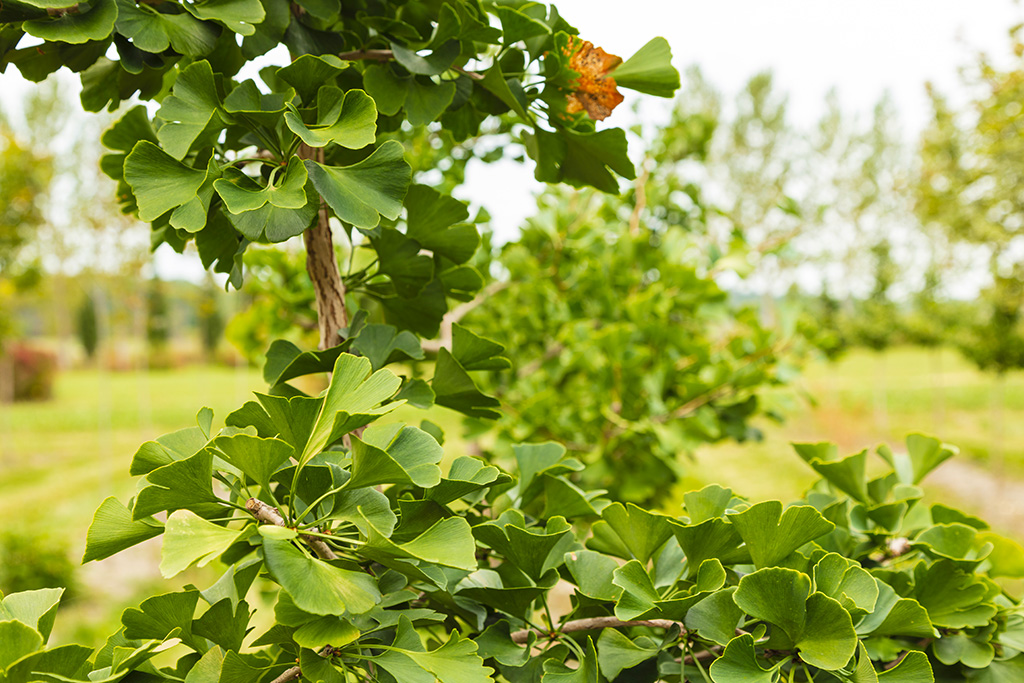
[(288, 675), (322, 266), (269, 515), (593, 624)]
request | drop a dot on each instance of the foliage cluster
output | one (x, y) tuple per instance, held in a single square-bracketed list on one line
[(353, 550)]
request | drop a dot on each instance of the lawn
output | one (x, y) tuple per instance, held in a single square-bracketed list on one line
[(868, 398)]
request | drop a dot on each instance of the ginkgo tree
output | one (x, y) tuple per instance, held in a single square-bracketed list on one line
[(337, 530)]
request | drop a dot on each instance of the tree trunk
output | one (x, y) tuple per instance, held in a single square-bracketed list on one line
[(322, 266)]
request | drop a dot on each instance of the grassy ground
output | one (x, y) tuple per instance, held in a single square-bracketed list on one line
[(866, 399), (59, 459)]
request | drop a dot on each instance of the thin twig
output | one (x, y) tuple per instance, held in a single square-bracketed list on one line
[(269, 515), (593, 624), (641, 200)]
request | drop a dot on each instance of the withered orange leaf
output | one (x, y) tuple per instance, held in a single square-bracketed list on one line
[(595, 91)]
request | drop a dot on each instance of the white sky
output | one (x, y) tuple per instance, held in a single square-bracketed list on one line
[(862, 47)]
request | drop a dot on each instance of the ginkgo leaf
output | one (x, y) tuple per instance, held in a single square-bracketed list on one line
[(94, 21), (154, 32), (237, 15), (241, 193), (160, 182), (361, 193), (346, 118), (190, 111)]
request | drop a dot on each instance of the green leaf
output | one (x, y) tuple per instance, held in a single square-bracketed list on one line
[(113, 530), (771, 535), (346, 118), (316, 586), (425, 101), (1006, 558), (710, 502), (583, 158), (386, 88), (649, 70), (495, 82), (455, 389), (815, 623), (496, 643), (241, 193), (486, 587), (287, 361), (976, 653), (159, 181), (587, 671), (91, 22), (715, 617), (712, 538), (447, 543), (190, 111), (34, 608), (190, 539), (16, 641), (309, 72), (395, 454), (953, 597), (437, 222), (848, 474), (237, 15), (896, 616), (326, 631), (641, 531), (183, 484), (456, 661), (533, 551), (439, 61), (847, 582), (616, 652), (638, 592), (226, 625), (401, 260), (593, 574), (739, 664), (913, 668), (361, 193), (384, 344), (160, 616), (465, 476), (154, 32), (352, 400), (923, 455), (516, 26), (263, 109), (64, 661), (476, 353), (257, 458)]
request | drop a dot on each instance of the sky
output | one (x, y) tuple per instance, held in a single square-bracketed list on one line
[(863, 48)]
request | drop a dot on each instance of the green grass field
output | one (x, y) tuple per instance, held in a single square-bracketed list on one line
[(866, 399), (61, 458)]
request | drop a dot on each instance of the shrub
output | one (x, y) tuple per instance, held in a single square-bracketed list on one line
[(33, 372), (31, 559)]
